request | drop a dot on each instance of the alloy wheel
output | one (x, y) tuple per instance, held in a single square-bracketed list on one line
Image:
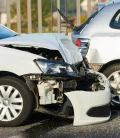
[(11, 103)]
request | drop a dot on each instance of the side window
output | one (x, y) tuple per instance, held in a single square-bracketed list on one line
[(115, 22)]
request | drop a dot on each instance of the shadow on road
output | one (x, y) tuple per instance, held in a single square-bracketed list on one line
[(47, 123), (42, 125)]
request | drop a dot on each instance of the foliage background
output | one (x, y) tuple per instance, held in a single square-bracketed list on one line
[(46, 14)]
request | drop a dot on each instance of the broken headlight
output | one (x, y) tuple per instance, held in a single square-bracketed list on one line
[(52, 67)]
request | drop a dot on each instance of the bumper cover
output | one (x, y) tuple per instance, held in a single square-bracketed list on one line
[(83, 101)]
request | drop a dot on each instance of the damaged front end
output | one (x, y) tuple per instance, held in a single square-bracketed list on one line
[(61, 79), (72, 91)]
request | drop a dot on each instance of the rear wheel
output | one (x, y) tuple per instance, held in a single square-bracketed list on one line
[(113, 74), (16, 102)]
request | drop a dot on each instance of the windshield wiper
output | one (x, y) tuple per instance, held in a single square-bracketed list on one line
[(78, 28)]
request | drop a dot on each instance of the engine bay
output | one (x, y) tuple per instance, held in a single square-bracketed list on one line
[(52, 88), (46, 53)]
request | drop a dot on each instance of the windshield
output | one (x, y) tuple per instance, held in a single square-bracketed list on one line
[(6, 32)]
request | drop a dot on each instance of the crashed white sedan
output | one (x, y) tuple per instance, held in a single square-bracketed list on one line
[(47, 72)]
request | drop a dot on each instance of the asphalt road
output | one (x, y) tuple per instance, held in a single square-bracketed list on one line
[(46, 126)]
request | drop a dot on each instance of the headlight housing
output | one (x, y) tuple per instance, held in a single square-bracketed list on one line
[(51, 67)]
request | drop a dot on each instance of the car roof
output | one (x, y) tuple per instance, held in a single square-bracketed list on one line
[(101, 20), (116, 1), (111, 3)]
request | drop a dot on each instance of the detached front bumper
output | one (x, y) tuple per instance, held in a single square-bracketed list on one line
[(91, 107)]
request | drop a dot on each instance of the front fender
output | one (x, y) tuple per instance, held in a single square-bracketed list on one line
[(18, 62)]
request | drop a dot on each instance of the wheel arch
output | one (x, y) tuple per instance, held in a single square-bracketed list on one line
[(7, 73), (31, 86), (108, 64)]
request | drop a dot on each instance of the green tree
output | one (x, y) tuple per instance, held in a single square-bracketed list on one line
[(46, 13), (46, 8)]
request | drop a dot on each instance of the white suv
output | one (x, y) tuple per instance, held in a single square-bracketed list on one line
[(99, 39)]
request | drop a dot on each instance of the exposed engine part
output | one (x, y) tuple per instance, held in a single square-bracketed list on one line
[(49, 92), (97, 87), (70, 85), (46, 94), (91, 83), (49, 54), (52, 90), (57, 89)]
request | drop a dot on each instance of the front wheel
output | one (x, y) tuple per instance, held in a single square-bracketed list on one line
[(16, 102), (113, 74)]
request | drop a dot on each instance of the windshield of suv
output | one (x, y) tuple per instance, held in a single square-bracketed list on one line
[(6, 32)]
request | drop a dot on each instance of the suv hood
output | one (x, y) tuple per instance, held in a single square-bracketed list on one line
[(51, 41)]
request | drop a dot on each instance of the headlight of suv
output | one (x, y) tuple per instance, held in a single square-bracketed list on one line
[(52, 67)]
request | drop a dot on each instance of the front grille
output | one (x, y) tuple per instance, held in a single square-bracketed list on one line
[(101, 111)]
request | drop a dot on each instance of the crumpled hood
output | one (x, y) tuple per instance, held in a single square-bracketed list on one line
[(50, 41)]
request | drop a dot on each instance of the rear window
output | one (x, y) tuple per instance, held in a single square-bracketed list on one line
[(90, 18), (115, 22)]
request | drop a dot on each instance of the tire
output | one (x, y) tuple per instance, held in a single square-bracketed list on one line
[(16, 102), (110, 72)]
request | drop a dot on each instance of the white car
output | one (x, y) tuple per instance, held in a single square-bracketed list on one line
[(47, 72), (98, 39)]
